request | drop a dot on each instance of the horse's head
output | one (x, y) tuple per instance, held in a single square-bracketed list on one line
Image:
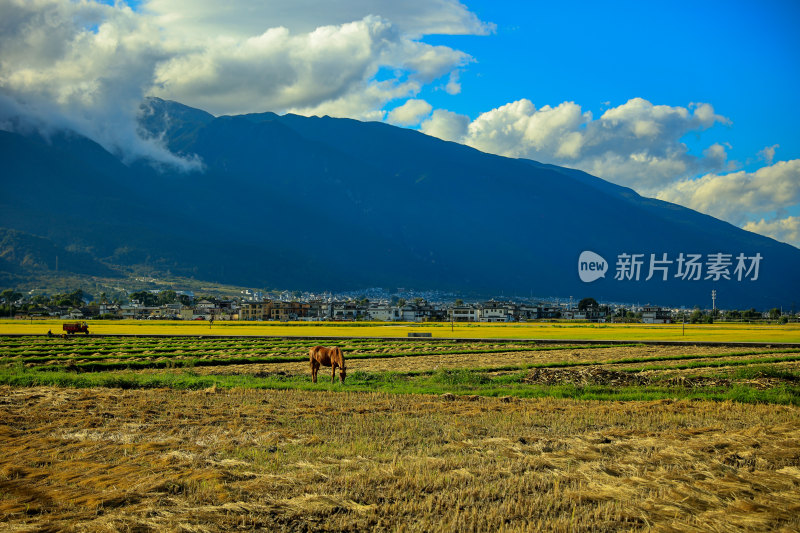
[(342, 373)]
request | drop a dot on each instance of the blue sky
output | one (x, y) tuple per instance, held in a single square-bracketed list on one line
[(741, 57), (689, 102)]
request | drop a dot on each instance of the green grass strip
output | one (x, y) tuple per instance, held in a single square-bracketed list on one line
[(715, 364), (461, 383)]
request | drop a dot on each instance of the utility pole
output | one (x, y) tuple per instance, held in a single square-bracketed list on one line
[(713, 302)]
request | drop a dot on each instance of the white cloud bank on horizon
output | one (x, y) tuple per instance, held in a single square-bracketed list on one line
[(785, 230), (737, 196)]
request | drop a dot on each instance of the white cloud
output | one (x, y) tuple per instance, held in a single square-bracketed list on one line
[(453, 84), (785, 230), (446, 125), (245, 18), (518, 129), (738, 196), (328, 71), (636, 144), (768, 153), (411, 112), (81, 66), (87, 65)]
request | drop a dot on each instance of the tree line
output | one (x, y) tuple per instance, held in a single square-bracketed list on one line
[(13, 302)]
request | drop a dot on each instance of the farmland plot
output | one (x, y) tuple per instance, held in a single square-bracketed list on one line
[(493, 368), (216, 434), (221, 460)]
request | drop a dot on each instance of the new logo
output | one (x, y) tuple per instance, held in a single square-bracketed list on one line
[(591, 266)]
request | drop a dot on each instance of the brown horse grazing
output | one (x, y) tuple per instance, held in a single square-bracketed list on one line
[(332, 357)]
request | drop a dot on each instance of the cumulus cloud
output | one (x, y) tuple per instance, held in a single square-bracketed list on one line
[(737, 196), (411, 112), (639, 145), (785, 230), (636, 144), (87, 65), (446, 125), (251, 17), (518, 129), (79, 66), (330, 70)]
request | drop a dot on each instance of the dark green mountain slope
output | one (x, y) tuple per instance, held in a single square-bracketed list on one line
[(323, 203)]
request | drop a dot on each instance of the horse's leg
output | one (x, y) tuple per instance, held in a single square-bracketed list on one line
[(314, 368), (333, 373)]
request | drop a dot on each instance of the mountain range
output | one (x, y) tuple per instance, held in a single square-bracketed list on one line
[(318, 203)]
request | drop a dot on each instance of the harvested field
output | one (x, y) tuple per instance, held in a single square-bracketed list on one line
[(543, 355), (493, 368), (214, 434), (219, 460)]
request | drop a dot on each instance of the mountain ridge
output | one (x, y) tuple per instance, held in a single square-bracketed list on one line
[(323, 203)]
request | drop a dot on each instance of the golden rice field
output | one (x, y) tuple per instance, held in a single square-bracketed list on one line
[(719, 332)]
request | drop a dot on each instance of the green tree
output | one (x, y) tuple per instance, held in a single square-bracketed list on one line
[(587, 303), (733, 314), (146, 298), (167, 297), (774, 313), (71, 299), (9, 296)]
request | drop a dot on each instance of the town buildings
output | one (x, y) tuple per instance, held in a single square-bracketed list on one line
[(326, 307)]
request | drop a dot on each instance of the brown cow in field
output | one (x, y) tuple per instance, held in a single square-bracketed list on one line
[(332, 357)]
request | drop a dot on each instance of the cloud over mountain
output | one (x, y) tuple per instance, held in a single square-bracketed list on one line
[(81, 66), (639, 145), (87, 66), (409, 113), (636, 144), (737, 196), (330, 70), (785, 229)]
